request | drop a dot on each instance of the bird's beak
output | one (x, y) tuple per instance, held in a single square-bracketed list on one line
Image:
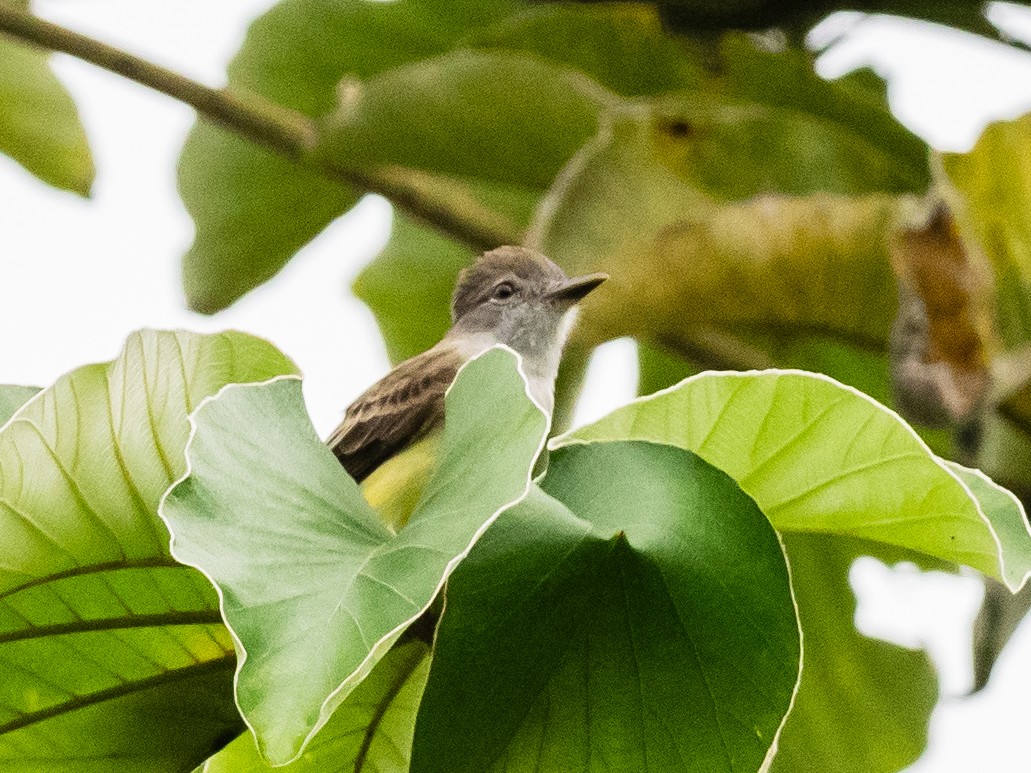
[(576, 289)]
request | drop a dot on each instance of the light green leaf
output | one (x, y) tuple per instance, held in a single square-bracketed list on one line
[(990, 188), (314, 586), (113, 655), (1005, 514), (818, 456), (39, 123), (371, 731), (678, 258), (12, 398), (640, 620), (253, 209), (863, 705)]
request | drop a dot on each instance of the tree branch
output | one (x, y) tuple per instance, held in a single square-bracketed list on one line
[(273, 126)]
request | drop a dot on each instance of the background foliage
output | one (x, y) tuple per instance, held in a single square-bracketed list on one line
[(750, 214)]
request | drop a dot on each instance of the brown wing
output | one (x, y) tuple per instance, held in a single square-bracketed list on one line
[(390, 415)]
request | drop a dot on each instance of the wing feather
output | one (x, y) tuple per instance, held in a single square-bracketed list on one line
[(406, 404)]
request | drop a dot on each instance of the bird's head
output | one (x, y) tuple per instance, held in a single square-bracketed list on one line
[(520, 296)]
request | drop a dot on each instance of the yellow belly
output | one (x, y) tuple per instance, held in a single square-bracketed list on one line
[(394, 488)]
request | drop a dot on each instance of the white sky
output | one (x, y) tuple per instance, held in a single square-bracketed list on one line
[(78, 276)]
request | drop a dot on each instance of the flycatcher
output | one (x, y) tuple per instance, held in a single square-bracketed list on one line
[(512, 296)]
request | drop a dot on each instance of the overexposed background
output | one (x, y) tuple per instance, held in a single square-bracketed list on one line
[(78, 276)]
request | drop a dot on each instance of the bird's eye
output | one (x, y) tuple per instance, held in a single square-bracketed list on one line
[(504, 291)]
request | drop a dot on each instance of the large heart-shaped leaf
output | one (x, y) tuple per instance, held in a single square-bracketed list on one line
[(863, 705), (315, 587), (638, 618), (371, 731), (822, 457), (253, 210), (112, 654), (39, 124)]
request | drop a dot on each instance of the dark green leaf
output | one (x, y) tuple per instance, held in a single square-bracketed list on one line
[(1002, 612), (640, 620), (621, 46)]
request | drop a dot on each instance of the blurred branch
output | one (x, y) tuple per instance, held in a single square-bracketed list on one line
[(715, 349), (273, 126)]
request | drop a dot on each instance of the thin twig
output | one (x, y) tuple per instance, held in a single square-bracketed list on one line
[(273, 126)]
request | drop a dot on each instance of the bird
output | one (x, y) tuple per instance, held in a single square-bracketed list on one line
[(510, 295)]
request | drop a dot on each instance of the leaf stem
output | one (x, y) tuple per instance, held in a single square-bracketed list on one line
[(273, 126)]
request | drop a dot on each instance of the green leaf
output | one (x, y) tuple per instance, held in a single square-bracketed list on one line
[(1006, 516), (39, 123), (782, 264), (253, 209), (829, 119), (625, 48), (519, 119), (863, 705), (113, 655), (1002, 612), (314, 586), (659, 369), (12, 398), (990, 188), (640, 620), (371, 731), (818, 456)]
